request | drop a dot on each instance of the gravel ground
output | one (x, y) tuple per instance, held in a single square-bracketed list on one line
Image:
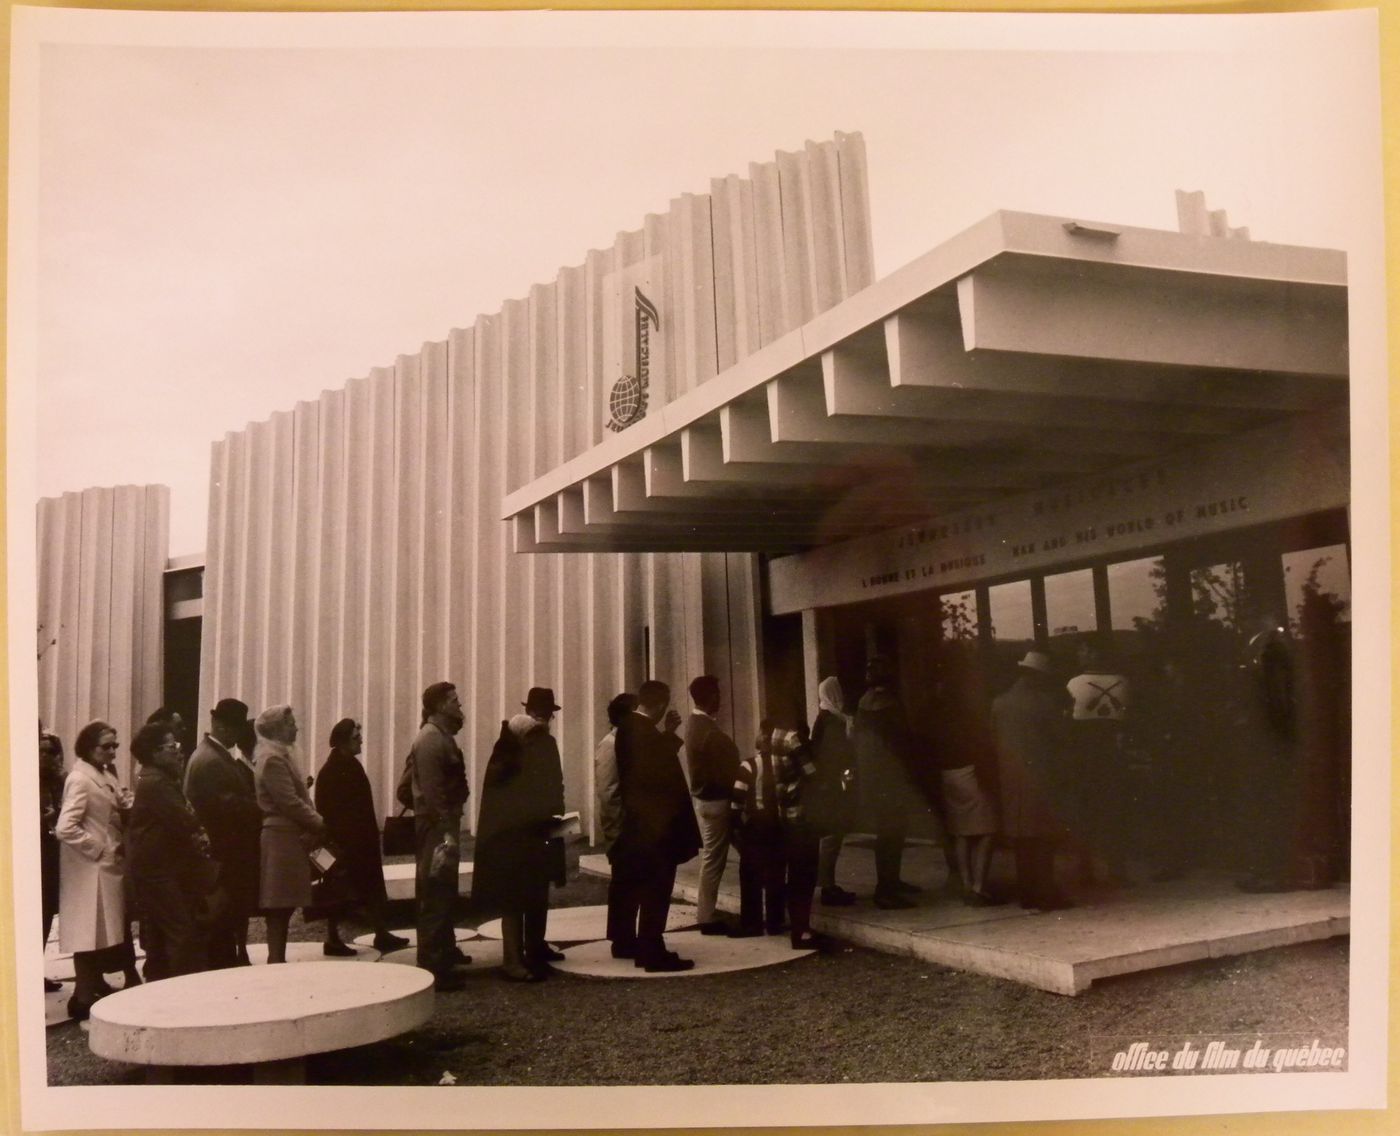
[(848, 1014)]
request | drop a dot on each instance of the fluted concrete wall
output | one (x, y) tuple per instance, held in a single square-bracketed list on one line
[(356, 550), (101, 557)]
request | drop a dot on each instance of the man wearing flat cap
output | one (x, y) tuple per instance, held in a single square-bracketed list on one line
[(219, 786)]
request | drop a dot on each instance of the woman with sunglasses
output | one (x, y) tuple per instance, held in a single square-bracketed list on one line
[(92, 920)]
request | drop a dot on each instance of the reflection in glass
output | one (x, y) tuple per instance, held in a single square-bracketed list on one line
[(1069, 603), (1317, 584), (1218, 594), (1137, 594), (1010, 609), (958, 612)]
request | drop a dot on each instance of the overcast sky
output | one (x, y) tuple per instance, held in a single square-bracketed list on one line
[(225, 230)]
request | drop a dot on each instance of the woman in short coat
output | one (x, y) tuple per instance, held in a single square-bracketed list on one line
[(291, 827)]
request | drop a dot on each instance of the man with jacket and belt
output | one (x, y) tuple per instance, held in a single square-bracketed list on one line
[(712, 762), (439, 779)]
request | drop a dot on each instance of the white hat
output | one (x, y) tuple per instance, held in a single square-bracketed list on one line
[(1036, 661)]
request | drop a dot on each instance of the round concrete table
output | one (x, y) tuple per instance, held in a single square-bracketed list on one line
[(269, 1017)]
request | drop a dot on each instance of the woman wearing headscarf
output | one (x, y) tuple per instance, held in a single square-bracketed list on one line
[(344, 800), (50, 798), (291, 827), (92, 905), (829, 803), (522, 796)]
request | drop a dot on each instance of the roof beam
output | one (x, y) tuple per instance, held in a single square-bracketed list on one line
[(1022, 303)]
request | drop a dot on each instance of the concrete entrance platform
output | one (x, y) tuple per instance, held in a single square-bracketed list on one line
[(1135, 928), (270, 1017)]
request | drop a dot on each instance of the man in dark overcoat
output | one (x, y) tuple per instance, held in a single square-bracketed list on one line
[(219, 786), (659, 830), (885, 753)]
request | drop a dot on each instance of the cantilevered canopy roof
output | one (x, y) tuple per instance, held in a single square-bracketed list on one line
[(1026, 351)]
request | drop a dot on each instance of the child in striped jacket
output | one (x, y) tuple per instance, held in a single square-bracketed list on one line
[(777, 846)]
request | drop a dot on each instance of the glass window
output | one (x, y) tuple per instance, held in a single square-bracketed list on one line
[(1069, 603), (1010, 610), (1317, 584), (958, 613), (1137, 594)]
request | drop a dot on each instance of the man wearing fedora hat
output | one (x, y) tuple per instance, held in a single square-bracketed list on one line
[(1028, 723), (219, 786)]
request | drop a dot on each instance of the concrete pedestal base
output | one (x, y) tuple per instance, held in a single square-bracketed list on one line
[(258, 1015)]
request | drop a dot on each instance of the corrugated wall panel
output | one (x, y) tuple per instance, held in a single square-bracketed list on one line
[(855, 213), (97, 554), (462, 513), (253, 545), (96, 586), (290, 510), (437, 459), (826, 242), (798, 261), (154, 552), (773, 306), (321, 601), (513, 660), (404, 616), (379, 594), (698, 282), (488, 552), (123, 612), (48, 551), (597, 269), (723, 216), (291, 506), (414, 576), (356, 447), (69, 663)]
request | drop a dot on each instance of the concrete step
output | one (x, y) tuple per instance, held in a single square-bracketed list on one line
[(1109, 932)]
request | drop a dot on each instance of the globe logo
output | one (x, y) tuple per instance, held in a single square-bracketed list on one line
[(627, 403)]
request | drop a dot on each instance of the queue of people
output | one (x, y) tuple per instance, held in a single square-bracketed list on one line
[(203, 845), (200, 846)]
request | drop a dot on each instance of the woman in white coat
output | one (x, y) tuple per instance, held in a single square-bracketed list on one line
[(93, 923)]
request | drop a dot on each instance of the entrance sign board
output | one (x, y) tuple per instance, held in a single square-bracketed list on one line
[(1286, 470)]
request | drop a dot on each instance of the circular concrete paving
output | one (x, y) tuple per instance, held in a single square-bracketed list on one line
[(308, 952), (580, 924), (463, 935), (713, 954), (485, 954)]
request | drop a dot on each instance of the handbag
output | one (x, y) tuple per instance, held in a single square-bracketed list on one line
[(399, 838), (331, 892)]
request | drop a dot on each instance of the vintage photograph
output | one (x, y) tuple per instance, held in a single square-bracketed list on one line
[(788, 568)]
